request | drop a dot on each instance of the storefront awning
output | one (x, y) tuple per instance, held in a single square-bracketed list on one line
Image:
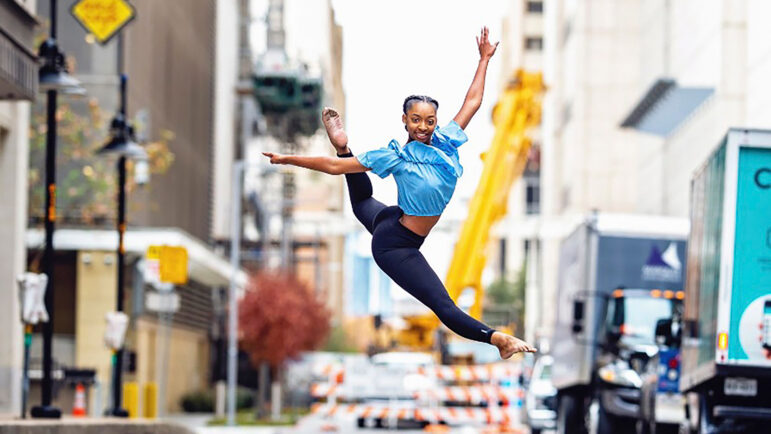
[(204, 265)]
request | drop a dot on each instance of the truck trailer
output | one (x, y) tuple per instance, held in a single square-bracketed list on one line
[(619, 275), (726, 330)]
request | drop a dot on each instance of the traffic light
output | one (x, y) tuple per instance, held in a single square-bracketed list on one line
[(311, 91), (281, 91), (291, 95), (277, 91)]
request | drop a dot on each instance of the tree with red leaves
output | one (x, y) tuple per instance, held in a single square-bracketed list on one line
[(280, 317)]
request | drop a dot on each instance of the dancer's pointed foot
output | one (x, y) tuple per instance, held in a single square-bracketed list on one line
[(509, 345), (334, 126)]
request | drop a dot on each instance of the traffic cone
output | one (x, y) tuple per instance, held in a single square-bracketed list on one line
[(79, 406)]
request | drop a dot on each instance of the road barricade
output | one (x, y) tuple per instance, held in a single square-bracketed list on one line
[(447, 415), (460, 395)]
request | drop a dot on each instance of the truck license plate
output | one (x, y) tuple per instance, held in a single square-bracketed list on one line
[(741, 386)]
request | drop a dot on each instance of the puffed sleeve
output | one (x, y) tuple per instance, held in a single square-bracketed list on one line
[(383, 161), (452, 134)]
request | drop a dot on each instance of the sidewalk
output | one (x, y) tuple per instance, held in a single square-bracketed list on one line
[(196, 422), (69, 425), (238, 429)]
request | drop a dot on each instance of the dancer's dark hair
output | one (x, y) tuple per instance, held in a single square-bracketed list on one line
[(412, 99)]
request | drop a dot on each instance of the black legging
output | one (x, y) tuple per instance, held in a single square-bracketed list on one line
[(395, 249)]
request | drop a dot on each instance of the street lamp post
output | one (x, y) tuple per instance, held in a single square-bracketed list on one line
[(52, 78), (121, 143), (239, 167)]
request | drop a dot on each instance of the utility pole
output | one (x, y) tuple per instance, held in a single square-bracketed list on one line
[(245, 115), (288, 190)]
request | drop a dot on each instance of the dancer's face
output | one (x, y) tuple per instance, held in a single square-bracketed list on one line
[(420, 121)]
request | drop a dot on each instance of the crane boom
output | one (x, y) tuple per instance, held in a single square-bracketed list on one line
[(517, 111)]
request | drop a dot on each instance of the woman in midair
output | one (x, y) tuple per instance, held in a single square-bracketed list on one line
[(426, 170)]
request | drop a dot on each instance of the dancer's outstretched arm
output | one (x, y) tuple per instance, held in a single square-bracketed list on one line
[(332, 166), (477, 89)]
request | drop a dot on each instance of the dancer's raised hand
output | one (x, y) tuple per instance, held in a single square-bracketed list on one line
[(486, 49), (474, 95)]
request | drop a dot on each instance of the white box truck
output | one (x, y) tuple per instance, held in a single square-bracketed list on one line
[(619, 275), (726, 344)]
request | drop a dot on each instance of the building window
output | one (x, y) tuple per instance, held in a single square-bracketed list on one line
[(567, 113), (535, 6), (565, 197), (526, 245), (534, 43), (532, 195), (567, 31), (502, 264)]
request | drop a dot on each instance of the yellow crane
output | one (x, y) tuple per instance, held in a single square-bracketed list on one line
[(517, 111)]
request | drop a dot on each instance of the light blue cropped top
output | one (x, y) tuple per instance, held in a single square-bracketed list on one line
[(425, 174)]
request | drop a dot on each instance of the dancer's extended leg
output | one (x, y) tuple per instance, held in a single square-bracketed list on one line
[(408, 268), (365, 207), (395, 249)]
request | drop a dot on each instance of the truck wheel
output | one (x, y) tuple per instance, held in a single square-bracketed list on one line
[(604, 422), (665, 428), (535, 431), (609, 424), (570, 418)]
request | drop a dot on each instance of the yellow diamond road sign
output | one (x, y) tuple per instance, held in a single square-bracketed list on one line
[(103, 18)]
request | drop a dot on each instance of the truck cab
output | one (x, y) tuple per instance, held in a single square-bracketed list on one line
[(619, 274)]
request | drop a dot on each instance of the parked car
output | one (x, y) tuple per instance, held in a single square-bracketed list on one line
[(541, 397)]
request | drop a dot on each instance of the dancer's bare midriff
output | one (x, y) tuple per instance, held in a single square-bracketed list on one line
[(421, 225)]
